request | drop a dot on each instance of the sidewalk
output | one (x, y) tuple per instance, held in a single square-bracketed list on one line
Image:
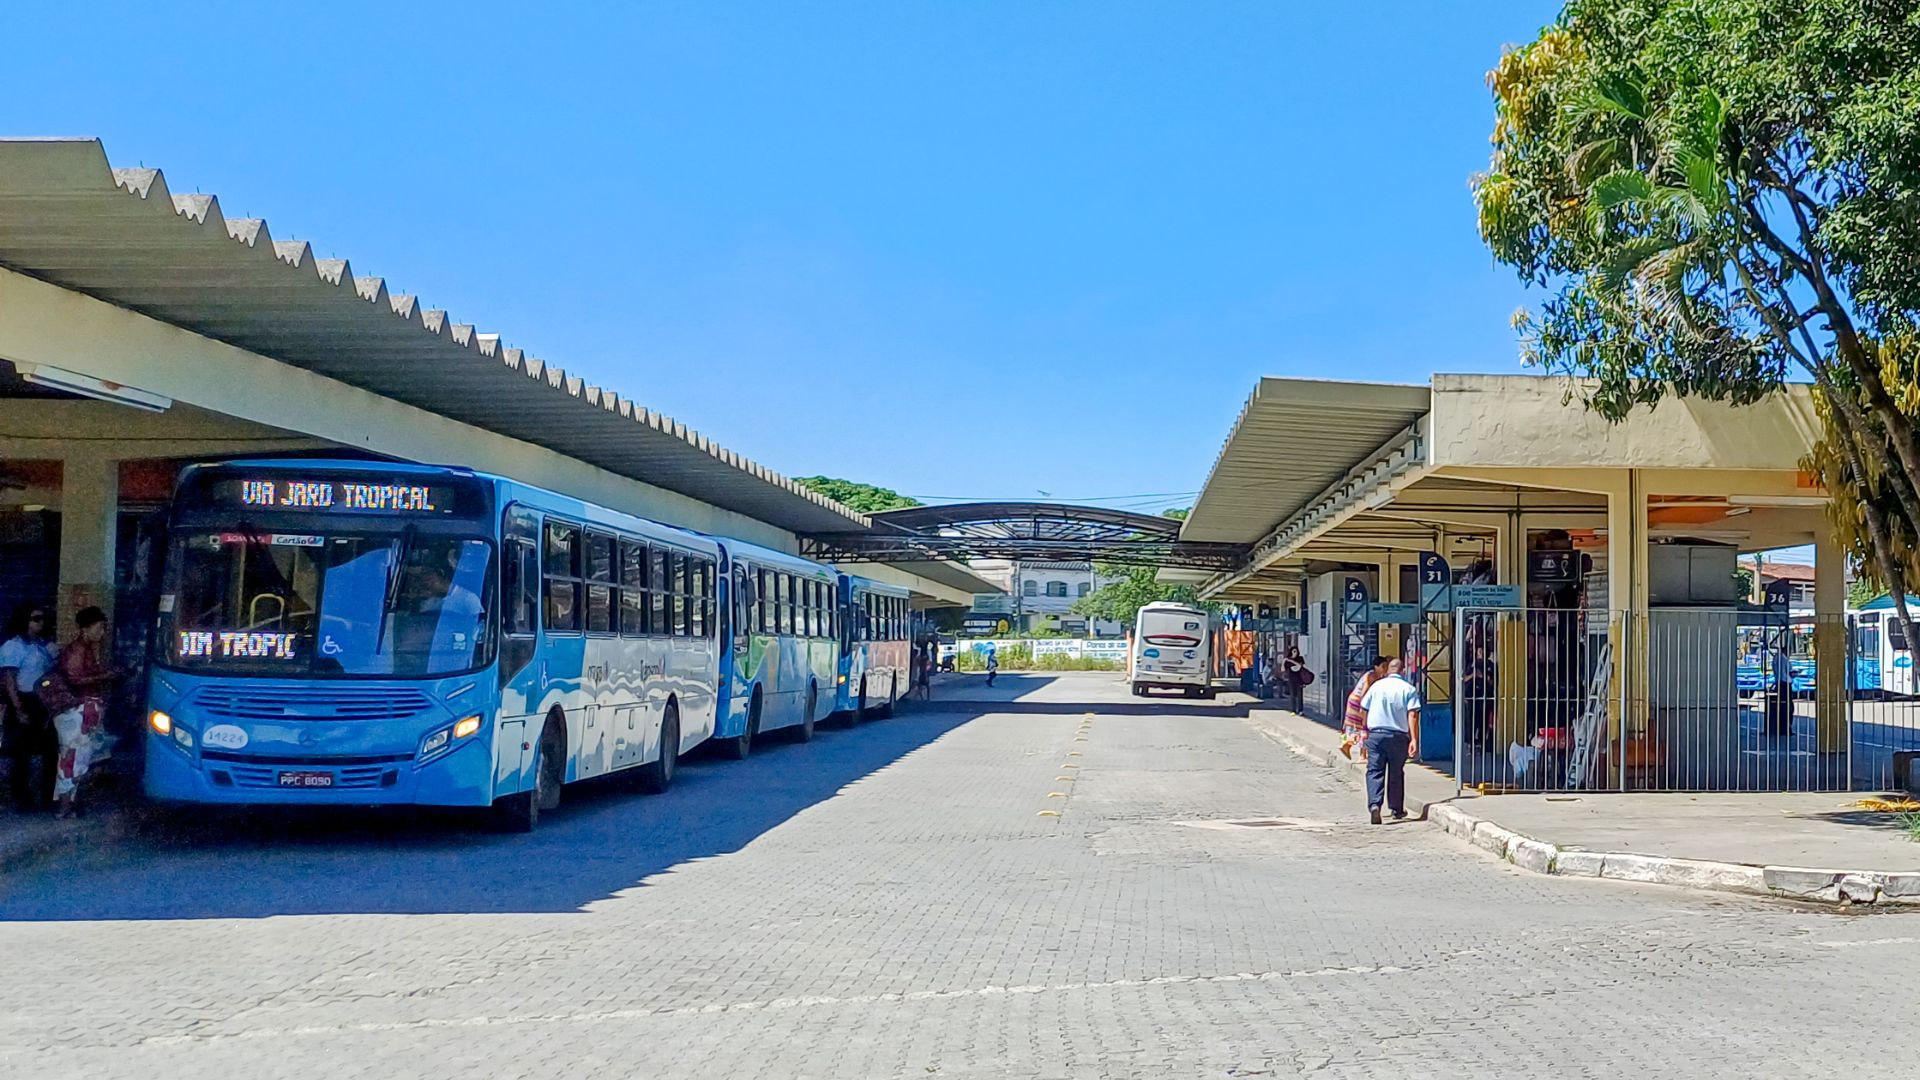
[(26, 839), (1803, 846)]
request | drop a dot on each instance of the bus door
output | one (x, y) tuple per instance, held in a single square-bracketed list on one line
[(521, 678), (735, 632), (1896, 673)]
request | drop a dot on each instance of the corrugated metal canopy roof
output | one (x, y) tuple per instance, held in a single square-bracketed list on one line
[(68, 218), (1293, 439)]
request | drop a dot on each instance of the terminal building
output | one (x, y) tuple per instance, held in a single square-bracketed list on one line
[(1564, 586), (142, 329)]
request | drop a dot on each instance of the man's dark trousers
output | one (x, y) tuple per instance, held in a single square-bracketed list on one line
[(1387, 769)]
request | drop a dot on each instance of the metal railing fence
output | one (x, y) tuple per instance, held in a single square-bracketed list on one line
[(1676, 699)]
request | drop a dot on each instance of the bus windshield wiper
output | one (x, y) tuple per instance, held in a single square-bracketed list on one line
[(403, 549)]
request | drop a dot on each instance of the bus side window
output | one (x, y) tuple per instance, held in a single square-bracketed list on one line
[(561, 568), (810, 590), (710, 595), (763, 604), (677, 594), (699, 585), (633, 588), (657, 584), (600, 583), (519, 592), (520, 583)]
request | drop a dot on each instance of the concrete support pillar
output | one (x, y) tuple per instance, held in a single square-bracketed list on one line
[(1830, 640), (1510, 701), (1627, 599), (1393, 637), (89, 530)]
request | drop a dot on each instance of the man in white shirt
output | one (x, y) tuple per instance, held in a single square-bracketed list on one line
[(1393, 735)]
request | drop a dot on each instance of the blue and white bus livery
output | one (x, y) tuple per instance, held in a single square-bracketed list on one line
[(875, 650), (337, 632), (782, 645)]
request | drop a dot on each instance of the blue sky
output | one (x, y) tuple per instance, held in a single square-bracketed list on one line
[(1019, 247)]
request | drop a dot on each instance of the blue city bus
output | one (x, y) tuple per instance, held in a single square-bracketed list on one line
[(782, 642), (345, 632), (874, 647)]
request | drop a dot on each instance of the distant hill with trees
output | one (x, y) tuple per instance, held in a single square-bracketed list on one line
[(866, 498)]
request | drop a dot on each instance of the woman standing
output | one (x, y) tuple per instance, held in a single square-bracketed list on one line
[(1354, 722), (76, 693), (1295, 676)]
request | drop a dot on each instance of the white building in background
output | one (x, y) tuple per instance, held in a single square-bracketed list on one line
[(1042, 594)]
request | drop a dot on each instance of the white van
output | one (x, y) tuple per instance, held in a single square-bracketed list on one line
[(1172, 650)]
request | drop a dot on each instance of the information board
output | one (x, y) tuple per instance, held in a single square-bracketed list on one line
[(1486, 596)]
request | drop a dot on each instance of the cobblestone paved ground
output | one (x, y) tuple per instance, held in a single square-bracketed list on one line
[(891, 902)]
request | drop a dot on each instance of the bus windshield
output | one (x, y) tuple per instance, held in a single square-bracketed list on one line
[(241, 601), (1172, 629)]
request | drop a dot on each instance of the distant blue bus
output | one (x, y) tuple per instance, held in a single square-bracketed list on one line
[(783, 645), (1882, 661), (874, 671), (337, 632)]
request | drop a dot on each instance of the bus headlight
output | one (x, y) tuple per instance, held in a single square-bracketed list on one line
[(436, 741), (466, 727), (183, 737), (161, 723)]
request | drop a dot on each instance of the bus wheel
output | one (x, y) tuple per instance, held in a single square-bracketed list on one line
[(804, 733), (520, 811), (550, 767), (893, 690), (657, 775), (738, 747)]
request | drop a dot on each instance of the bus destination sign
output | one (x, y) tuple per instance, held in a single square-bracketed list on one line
[(341, 496), (236, 644)]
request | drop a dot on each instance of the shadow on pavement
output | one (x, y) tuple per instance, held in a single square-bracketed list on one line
[(1878, 821), (603, 839), (1171, 706)]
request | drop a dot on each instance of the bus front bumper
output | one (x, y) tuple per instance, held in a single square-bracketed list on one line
[(462, 776)]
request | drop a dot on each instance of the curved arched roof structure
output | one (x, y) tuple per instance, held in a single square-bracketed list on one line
[(1025, 531)]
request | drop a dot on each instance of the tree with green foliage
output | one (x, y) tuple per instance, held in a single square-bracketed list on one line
[(865, 498), (1126, 591), (1719, 196), (1860, 593)]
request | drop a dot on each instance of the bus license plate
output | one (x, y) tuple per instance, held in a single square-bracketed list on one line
[(306, 779)]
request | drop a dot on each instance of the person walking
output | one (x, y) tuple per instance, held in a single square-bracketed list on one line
[(1353, 723), (993, 664), (1393, 735), (75, 692), (25, 658)]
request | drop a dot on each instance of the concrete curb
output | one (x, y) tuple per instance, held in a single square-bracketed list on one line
[(1545, 857)]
